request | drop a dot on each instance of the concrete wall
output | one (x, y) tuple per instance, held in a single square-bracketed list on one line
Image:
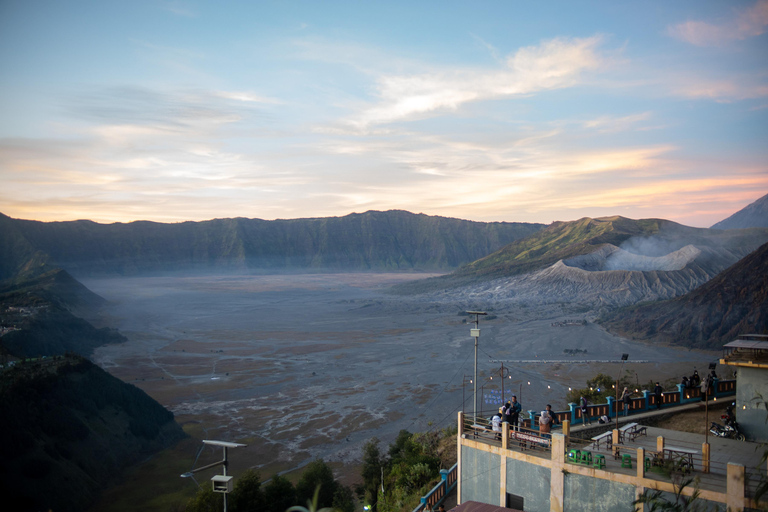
[(531, 482), (480, 476), (585, 494), (752, 393)]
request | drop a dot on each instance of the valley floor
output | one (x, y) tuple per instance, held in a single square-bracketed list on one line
[(305, 366)]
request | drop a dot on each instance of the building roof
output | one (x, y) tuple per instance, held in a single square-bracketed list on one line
[(474, 506), (747, 350)]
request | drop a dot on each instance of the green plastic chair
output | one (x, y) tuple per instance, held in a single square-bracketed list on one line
[(599, 461), (626, 461)]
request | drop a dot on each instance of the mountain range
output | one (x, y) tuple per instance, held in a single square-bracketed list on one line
[(379, 241), (604, 262)]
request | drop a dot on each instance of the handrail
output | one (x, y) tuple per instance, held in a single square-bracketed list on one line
[(441, 490)]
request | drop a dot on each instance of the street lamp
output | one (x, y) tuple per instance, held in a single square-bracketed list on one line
[(221, 483), (624, 357), (475, 333), (463, 383)]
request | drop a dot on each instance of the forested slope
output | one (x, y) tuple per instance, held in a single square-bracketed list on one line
[(68, 429)]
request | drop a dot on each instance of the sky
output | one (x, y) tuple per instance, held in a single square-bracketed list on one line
[(486, 110)]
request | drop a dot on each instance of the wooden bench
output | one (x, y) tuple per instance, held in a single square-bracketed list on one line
[(482, 431), (608, 436), (637, 432), (682, 457), (632, 430), (626, 429)]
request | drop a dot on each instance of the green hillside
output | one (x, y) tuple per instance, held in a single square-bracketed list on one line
[(382, 241), (559, 240), (69, 429)]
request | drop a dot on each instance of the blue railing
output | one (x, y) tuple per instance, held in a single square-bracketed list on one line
[(647, 402), (440, 491)]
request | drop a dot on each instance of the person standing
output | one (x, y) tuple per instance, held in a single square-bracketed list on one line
[(496, 424), (626, 398), (585, 412), (514, 415), (546, 420), (506, 412), (657, 392)]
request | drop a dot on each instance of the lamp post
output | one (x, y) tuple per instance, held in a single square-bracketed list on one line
[(624, 357), (221, 483), (475, 333), (463, 383)]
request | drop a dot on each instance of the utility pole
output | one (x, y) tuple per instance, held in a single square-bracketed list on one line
[(624, 357), (475, 333)]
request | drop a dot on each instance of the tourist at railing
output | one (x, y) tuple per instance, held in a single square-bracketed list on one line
[(496, 423), (515, 412), (626, 398), (585, 411), (657, 391), (546, 420)]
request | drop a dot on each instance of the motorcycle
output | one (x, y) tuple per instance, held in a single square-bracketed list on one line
[(730, 430)]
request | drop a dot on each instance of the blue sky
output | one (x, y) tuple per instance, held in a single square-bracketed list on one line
[(492, 111)]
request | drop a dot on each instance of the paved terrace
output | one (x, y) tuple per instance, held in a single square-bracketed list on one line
[(718, 481)]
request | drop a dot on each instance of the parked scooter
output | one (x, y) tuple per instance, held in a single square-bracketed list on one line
[(731, 429)]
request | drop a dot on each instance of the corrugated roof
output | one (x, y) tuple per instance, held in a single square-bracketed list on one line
[(474, 506), (754, 345)]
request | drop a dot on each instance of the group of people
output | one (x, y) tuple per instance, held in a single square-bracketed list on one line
[(510, 413)]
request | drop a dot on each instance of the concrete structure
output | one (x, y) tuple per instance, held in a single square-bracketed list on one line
[(749, 353), (534, 473)]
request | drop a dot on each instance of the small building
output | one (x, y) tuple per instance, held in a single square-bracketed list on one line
[(749, 354)]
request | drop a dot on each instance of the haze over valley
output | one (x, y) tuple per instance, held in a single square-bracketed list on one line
[(265, 223), (305, 364)]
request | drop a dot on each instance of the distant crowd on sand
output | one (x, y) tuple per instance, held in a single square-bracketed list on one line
[(510, 411)]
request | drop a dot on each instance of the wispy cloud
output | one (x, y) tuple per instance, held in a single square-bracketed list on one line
[(718, 89), (745, 23), (606, 124), (554, 64)]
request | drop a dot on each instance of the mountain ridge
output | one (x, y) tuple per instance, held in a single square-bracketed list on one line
[(753, 215), (565, 241), (731, 303), (373, 240)]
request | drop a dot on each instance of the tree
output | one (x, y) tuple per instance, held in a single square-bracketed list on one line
[(373, 461), (247, 496), (279, 494), (316, 474), (206, 501), (343, 501)]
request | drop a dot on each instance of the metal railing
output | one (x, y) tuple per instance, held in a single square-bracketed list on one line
[(441, 490)]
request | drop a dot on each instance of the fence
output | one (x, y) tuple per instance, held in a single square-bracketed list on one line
[(438, 493), (647, 402)]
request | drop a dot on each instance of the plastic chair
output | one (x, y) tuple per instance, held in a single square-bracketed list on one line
[(574, 456), (599, 461), (626, 461), (586, 458)]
